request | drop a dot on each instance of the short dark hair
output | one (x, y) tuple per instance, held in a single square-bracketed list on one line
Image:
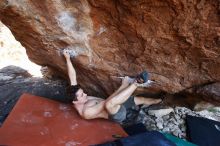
[(71, 91)]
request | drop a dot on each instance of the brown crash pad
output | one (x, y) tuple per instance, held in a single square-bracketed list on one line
[(38, 121)]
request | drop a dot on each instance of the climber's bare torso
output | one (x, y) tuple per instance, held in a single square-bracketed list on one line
[(92, 102)]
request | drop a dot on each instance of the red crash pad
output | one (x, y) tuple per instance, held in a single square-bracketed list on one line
[(36, 121)]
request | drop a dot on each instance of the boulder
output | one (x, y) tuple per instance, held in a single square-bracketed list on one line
[(176, 41), (211, 92)]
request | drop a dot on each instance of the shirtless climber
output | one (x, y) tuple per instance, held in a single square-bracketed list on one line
[(114, 107)]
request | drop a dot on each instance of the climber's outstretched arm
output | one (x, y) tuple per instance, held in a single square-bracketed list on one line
[(70, 68)]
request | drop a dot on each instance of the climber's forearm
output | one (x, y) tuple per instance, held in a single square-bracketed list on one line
[(71, 72)]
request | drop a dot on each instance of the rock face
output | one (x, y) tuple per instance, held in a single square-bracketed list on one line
[(176, 41), (212, 90)]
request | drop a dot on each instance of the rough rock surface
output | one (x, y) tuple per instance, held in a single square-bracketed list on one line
[(15, 81), (212, 90), (176, 40), (172, 122)]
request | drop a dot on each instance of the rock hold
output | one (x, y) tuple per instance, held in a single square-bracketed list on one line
[(160, 112)]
